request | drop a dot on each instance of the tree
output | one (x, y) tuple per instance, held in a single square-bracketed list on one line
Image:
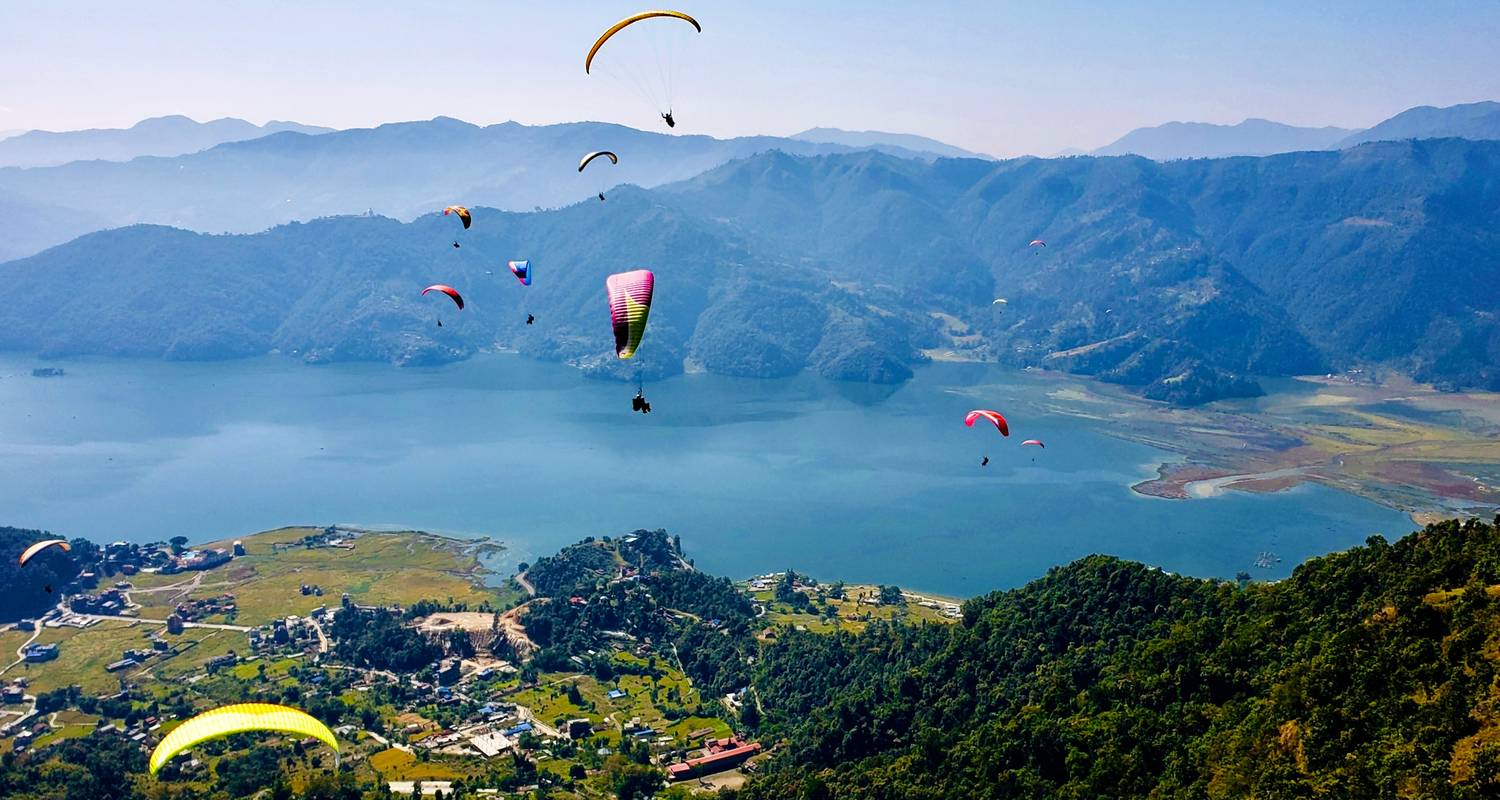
[(179, 544), (891, 596)]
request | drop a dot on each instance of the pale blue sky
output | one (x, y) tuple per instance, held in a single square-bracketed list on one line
[(1001, 77)]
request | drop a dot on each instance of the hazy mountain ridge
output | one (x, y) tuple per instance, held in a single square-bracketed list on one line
[(1259, 137), (347, 288), (157, 136), (1466, 121), (1253, 137), (895, 143), (400, 170), (1182, 279)]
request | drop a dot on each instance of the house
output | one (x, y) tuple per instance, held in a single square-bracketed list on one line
[(37, 653), (124, 663), (616, 694), (12, 694), (722, 754), (491, 744), (448, 672), (524, 727)]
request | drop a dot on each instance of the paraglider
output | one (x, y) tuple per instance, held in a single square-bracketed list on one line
[(993, 417), (458, 299), (450, 291), (530, 319), (985, 462), (645, 56), (463, 215), (39, 547), (522, 271), (629, 305), (589, 159), (1037, 243), (239, 718), (1034, 443)]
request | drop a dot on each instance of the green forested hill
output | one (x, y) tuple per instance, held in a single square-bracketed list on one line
[(1367, 674), (1183, 279)]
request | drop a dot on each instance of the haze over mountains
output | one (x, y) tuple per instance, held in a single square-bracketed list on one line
[(1259, 137), (894, 143), (400, 170), (1181, 279), (158, 136)]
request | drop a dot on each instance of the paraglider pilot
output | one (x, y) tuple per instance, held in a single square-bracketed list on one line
[(671, 123), (638, 403), (530, 319)]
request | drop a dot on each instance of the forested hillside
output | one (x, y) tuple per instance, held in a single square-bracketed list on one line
[(1369, 673), (1185, 280)]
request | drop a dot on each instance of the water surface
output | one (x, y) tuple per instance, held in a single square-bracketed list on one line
[(851, 481)]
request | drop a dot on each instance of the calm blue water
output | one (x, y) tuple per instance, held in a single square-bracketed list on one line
[(855, 482)]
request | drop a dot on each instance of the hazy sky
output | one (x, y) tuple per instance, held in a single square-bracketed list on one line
[(1001, 77)]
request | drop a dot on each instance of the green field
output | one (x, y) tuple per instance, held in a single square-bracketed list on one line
[(82, 655), (381, 569), (857, 610), (550, 704)]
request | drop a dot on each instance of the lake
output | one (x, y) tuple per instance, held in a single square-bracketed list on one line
[(862, 483)]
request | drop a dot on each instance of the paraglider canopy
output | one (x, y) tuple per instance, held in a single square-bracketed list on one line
[(588, 61), (629, 305), (522, 271), (463, 215), (993, 417), (448, 290), (583, 162), (1037, 243), (642, 53), (1034, 443), (239, 718), (39, 547)]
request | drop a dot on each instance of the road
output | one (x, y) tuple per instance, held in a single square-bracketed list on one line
[(322, 638), (22, 649), (221, 626), (525, 584)]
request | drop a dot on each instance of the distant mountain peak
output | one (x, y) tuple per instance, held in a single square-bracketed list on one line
[(1251, 137), (910, 142), (169, 135)]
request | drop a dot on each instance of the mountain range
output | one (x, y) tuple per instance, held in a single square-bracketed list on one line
[(1181, 279), (1259, 137), (401, 170), (894, 143), (158, 136)]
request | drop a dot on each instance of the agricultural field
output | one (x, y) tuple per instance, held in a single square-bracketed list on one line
[(857, 609)]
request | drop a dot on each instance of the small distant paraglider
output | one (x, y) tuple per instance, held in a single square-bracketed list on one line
[(458, 299), (1034, 443), (522, 271), (993, 417), (463, 215), (1035, 243), (589, 159), (646, 60), (27, 554)]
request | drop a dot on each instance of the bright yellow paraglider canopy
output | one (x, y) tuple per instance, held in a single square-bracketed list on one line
[(631, 20), (240, 718)]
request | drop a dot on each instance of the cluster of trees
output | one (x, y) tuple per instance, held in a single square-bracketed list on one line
[(1369, 673), (377, 639), (33, 588)]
